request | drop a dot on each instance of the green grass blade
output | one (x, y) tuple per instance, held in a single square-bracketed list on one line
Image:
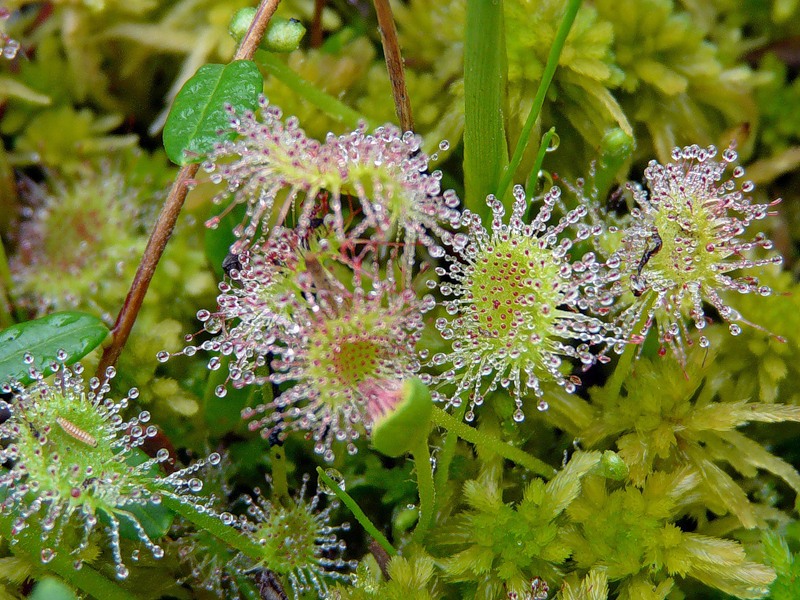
[(485, 149)]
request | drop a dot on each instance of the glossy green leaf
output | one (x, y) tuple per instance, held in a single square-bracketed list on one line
[(223, 415), (155, 519), (198, 118), (75, 333)]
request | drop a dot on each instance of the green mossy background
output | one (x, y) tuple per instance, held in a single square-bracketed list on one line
[(705, 503)]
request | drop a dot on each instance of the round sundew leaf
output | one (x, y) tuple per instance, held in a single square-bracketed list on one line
[(198, 114), (75, 333)]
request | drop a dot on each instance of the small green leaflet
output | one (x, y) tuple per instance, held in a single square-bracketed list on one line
[(74, 333), (198, 120)]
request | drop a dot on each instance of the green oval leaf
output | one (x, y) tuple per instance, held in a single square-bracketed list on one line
[(223, 415), (198, 116), (75, 333)]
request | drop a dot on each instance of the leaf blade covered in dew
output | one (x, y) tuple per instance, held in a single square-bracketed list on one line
[(198, 114), (46, 340)]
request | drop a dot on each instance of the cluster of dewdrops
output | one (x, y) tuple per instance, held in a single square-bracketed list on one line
[(66, 452), (379, 180), (311, 304), (8, 47)]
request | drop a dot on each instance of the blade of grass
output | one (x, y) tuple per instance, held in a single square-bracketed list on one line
[(474, 436), (323, 101), (538, 101), (485, 149)]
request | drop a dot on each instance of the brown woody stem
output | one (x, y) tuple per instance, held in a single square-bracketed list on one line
[(394, 64), (316, 24)]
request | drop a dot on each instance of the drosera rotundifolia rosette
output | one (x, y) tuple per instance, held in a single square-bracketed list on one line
[(686, 245), (522, 310), (73, 463)]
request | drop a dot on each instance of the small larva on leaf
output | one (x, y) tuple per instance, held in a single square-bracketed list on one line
[(76, 432)]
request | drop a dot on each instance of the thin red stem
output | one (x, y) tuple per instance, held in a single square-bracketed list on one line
[(394, 63)]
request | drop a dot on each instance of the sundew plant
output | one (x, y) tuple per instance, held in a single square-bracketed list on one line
[(399, 300)]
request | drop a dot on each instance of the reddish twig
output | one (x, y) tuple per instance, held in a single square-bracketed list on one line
[(169, 214), (394, 63), (316, 24)]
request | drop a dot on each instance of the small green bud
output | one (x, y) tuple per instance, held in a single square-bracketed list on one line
[(401, 415), (611, 466), (240, 22), (615, 148), (282, 35), (404, 520)]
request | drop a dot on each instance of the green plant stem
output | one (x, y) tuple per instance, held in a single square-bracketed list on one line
[(213, 524), (86, 579), (280, 485), (538, 100), (422, 461), (474, 436), (359, 514), (625, 363), (323, 101), (485, 148), (447, 453), (394, 63), (169, 214)]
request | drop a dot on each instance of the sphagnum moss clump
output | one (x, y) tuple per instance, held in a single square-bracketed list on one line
[(686, 247), (70, 462), (518, 302)]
